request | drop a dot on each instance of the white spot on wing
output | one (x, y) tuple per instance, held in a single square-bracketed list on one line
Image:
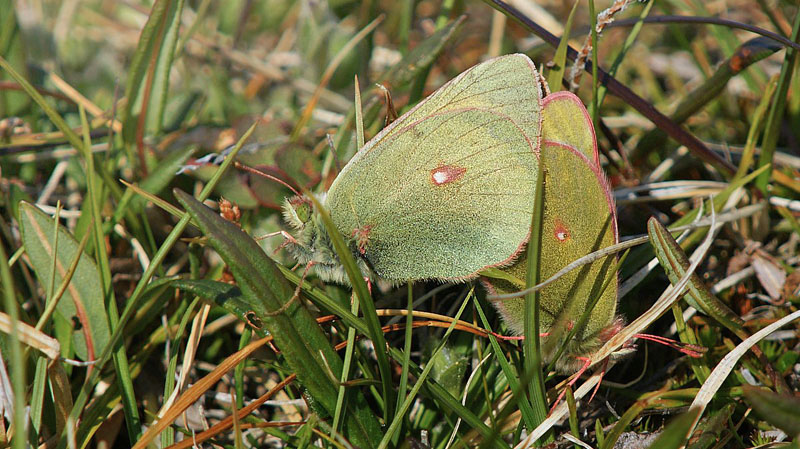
[(440, 177)]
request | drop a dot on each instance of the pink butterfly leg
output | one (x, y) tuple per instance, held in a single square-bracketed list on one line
[(577, 376)]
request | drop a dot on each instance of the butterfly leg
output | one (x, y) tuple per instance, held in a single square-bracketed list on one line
[(296, 294), (586, 363), (288, 239), (369, 284), (599, 381)]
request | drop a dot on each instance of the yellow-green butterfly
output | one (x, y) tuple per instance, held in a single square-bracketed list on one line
[(579, 218), (445, 191)]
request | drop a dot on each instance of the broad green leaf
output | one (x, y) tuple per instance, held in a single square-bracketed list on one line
[(675, 262), (82, 303), (449, 366), (779, 410), (150, 68), (227, 296)]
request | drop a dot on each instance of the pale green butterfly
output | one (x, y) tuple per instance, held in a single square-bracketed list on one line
[(442, 193), (446, 191), (579, 218)]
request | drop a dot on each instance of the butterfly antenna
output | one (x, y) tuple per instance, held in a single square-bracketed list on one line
[(391, 112), (333, 152), (254, 171), (506, 337), (691, 350)]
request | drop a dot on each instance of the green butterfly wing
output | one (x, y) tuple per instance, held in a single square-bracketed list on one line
[(446, 190), (579, 218), (579, 222), (568, 123), (508, 85), (441, 198)]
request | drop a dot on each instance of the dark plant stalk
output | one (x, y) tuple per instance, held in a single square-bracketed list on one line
[(775, 115), (623, 92), (708, 21)]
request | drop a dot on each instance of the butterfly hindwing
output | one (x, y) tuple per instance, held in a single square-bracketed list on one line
[(566, 121), (579, 218)]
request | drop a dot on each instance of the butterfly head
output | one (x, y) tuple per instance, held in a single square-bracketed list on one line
[(297, 211), (312, 245)]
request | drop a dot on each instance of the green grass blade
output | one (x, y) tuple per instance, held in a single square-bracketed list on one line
[(775, 116), (756, 126), (556, 74), (38, 394), (629, 41), (365, 300), (271, 298), (148, 76), (15, 358), (531, 346), (124, 378), (402, 388), (594, 107)]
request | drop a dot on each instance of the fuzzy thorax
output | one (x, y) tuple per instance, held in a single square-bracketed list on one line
[(312, 243)]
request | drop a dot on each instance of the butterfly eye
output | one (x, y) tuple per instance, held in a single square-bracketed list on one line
[(302, 208)]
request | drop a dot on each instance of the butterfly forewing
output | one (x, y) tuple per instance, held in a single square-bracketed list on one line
[(508, 85), (440, 198)]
